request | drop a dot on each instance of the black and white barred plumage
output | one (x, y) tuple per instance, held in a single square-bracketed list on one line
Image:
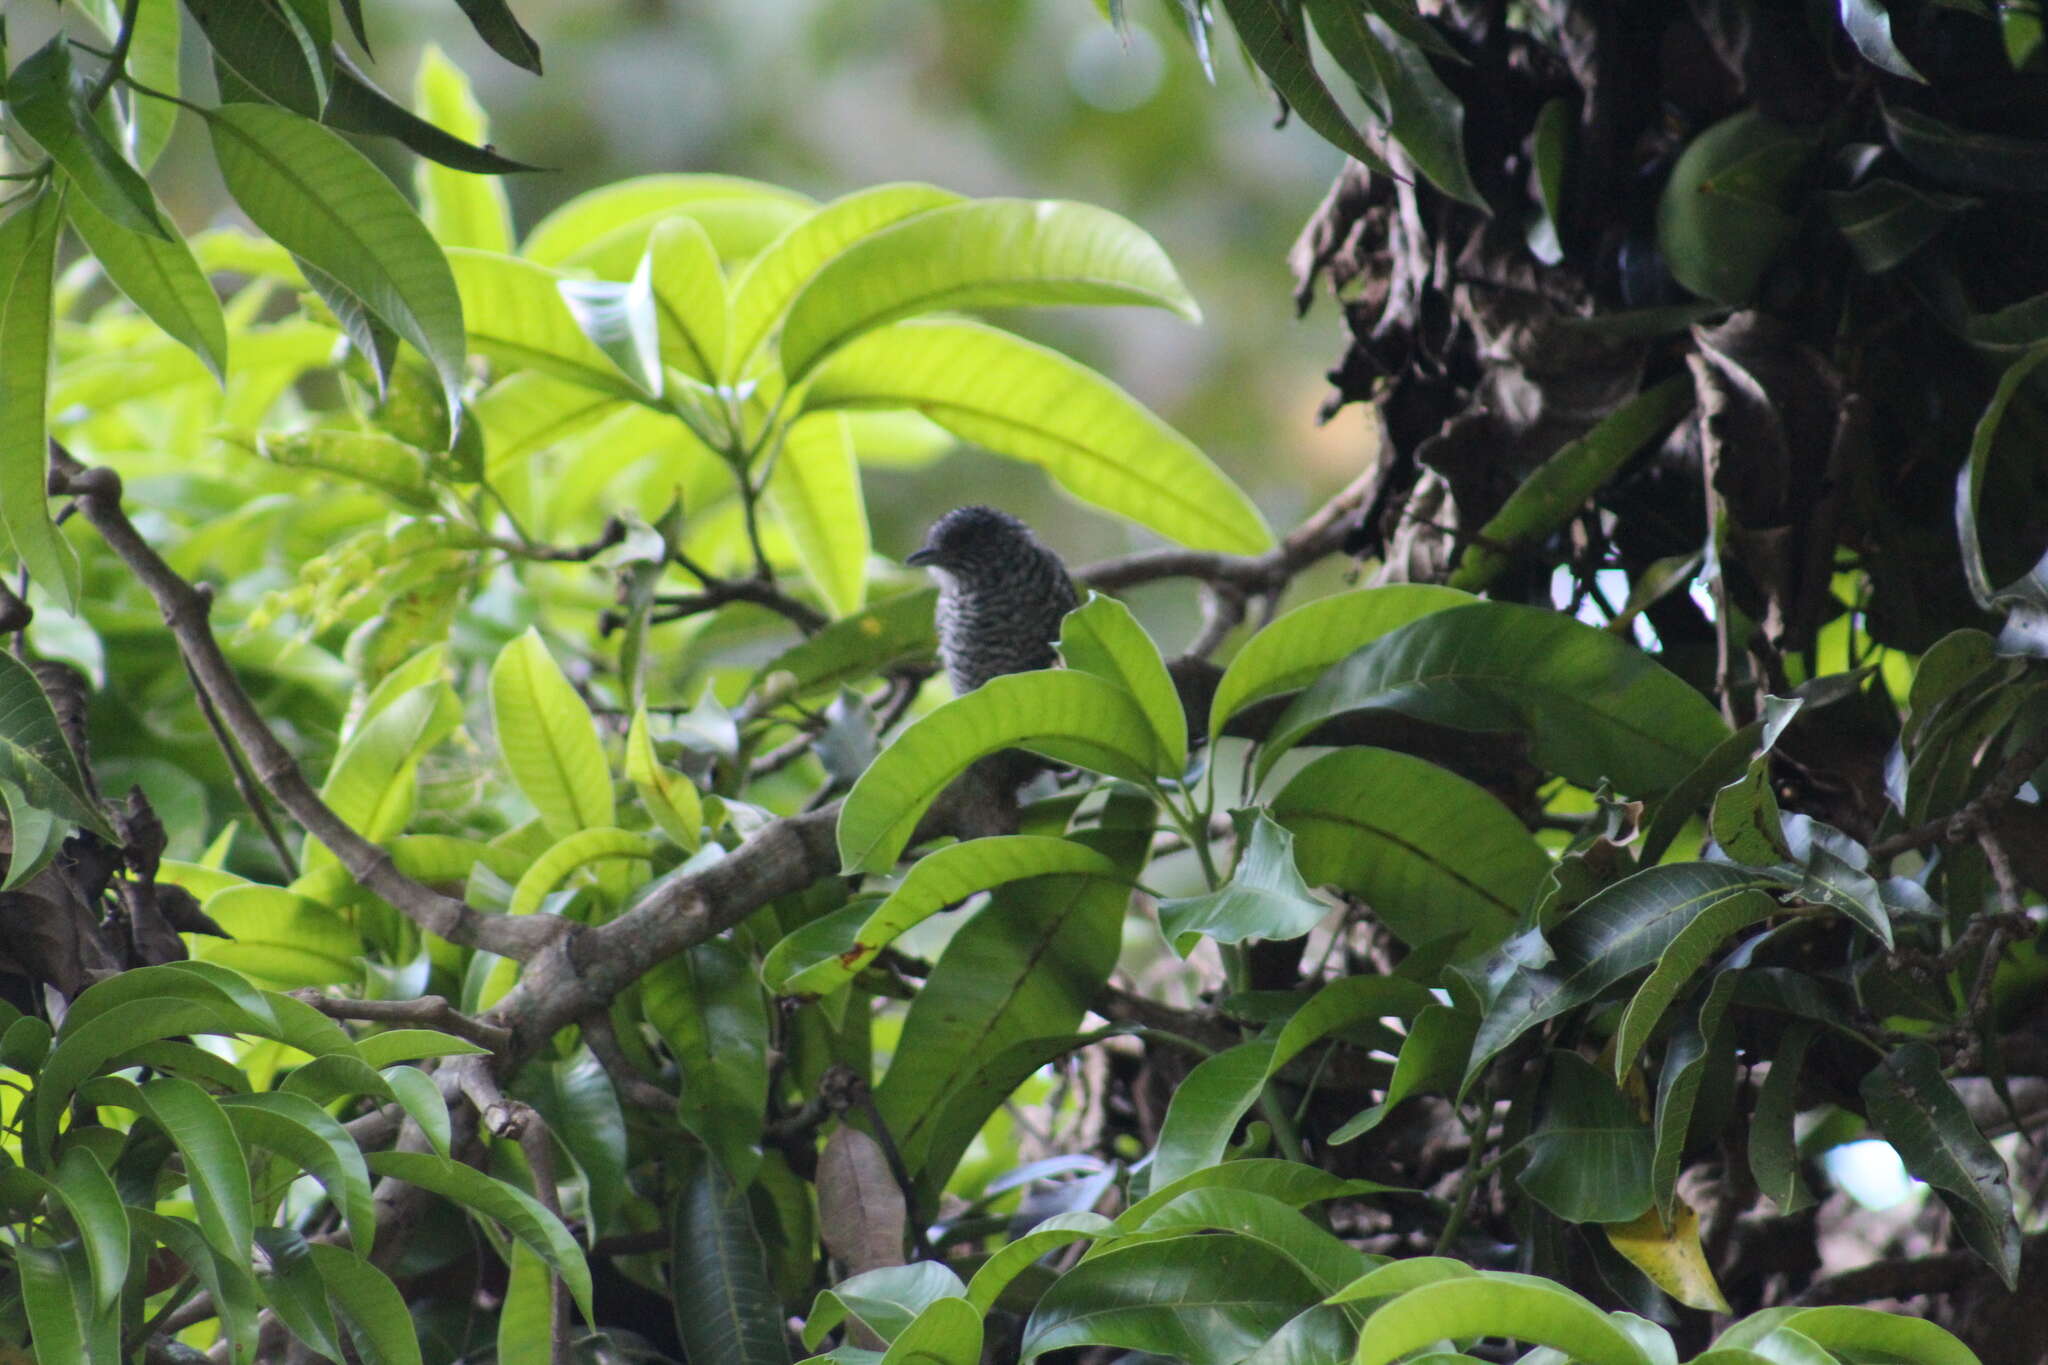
[(1001, 595)]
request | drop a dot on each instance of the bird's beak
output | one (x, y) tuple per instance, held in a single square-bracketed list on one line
[(922, 557)]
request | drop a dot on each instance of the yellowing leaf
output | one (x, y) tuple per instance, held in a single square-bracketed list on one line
[(1671, 1256)]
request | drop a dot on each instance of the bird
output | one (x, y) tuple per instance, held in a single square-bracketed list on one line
[(1002, 594)]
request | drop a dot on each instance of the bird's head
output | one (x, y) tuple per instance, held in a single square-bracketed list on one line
[(967, 538)]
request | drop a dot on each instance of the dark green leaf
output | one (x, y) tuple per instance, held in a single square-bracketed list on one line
[(35, 756), (1968, 160), (1431, 1061), (1594, 708), (1589, 1158), (370, 1304), (517, 1211), (358, 106), (708, 1007), (1203, 1299), (269, 50), (1272, 33), (1696, 1047), (1885, 221), (1553, 495), (1773, 1148), (50, 104), (1622, 930), (725, 1307), (1919, 1113), (322, 200), (494, 23), (1264, 898), (1443, 858)]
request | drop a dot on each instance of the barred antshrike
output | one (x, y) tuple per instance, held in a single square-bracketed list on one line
[(1001, 595)]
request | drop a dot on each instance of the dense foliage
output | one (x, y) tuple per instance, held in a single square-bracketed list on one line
[(490, 875)]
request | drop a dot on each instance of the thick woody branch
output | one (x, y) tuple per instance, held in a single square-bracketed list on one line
[(185, 610)]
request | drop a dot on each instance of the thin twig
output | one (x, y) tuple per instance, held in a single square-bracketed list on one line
[(613, 533), (245, 782), (426, 1011), (117, 60), (1975, 815), (719, 592), (185, 610)]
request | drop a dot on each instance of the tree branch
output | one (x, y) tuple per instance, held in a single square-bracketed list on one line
[(1975, 815), (426, 1011), (185, 610)]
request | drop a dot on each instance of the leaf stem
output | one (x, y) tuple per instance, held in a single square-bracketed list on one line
[(117, 60)]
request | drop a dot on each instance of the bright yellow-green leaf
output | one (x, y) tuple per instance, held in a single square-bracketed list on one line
[(618, 217), (569, 853), (1103, 638), (680, 273), (161, 277), (516, 316), (1497, 1305), (462, 209), (1080, 716), (988, 253), (815, 493), (279, 937), (763, 291), (670, 799), (549, 739), (1034, 404)]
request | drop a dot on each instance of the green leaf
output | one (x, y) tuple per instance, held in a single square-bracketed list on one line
[(1025, 966), (986, 253), (725, 1304), (35, 756), (855, 647), (1618, 931), (153, 51), (1206, 1107), (1553, 495), (708, 1007), (1272, 33), (1696, 1046), (1589, 1158), (232, 1286), (1593, 707), (1869, 25), (379, 1325), (668, 797), (581, 1107), (548, 739), (762, 294), (314, 1142), (947, 1332), (1264, 898), (815, 493), (1294, 650), (520, 316), (373, 783), (1315, 1251), (1499, 1305), (518, 1212), (1014, 1257), (422, 1101), (1446, 857), (938, 881), (1398, 1277), (357, 105), (81, 1184), (1076, 712), (280, 937), (1745, 820), (266, 52), (1290, 1182), (1866, 1330), (413, 1044), (620, 321), (1431, 1060), (569, 853), (49, 103), (321, 199), (56, 1295), (1102, 637), (1721, 221), (460, 208), (161, 277), (1034, 404), (493, 22), (886, 1300), (1773, 1147), (613, 221), (681, 277), (216, 1168), (1991, 162), (1392, 71), (1886, 221), (1202, 1299), (1687, 953), (1918, 1111), (28, 257), (1970, 479), (1550, 145)]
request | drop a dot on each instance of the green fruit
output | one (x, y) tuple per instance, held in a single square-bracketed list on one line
[(1722, 219)]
